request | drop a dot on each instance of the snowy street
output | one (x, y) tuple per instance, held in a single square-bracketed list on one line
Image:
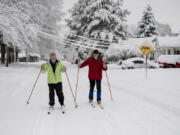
[(106, 46), (140, 106)]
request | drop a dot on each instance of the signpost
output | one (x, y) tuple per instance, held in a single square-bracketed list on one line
[(146, 50)]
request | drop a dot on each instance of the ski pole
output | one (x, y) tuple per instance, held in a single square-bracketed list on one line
[(77, 84), (71, 90), (33, 88), (109, 86)]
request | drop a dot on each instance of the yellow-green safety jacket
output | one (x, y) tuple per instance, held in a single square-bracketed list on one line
[(54, 78)]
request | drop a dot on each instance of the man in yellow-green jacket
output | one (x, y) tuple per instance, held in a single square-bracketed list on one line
[(54, 68)]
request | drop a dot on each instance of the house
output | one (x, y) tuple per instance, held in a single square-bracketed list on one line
[(130, 48), (168, 45), (161, 45)]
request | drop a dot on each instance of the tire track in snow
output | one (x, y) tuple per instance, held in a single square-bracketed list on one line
[(150, 100)]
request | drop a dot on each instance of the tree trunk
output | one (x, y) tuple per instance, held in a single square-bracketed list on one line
[(10, 54), (16, 51), (13, 54), (3, 52), (7, 56)]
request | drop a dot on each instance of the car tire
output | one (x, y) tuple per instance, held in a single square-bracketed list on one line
[(151, 67), (171, 66)]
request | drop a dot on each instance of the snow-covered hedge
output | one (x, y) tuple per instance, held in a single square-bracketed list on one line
[(117, 52), (128, 48)]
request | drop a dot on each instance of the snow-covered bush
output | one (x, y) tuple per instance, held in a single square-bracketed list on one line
[(121, 52)]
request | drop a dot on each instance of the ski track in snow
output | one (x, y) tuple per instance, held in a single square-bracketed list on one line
[(140, 107)]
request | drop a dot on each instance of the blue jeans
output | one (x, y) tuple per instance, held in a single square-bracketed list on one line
[(92, 85)]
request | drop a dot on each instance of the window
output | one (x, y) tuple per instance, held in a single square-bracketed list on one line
[(138, 62), (169, 51), (177, 51)]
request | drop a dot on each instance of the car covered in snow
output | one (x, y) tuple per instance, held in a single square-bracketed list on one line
[(138, 63), (178, 64), (169, 61)]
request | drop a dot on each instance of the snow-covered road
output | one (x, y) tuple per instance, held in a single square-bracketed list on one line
[(140, 107)]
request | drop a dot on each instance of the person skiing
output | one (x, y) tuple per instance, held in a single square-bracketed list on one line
[(96, 65), (54, 69)]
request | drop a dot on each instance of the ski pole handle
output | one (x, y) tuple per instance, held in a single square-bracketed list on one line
[(33, 88)]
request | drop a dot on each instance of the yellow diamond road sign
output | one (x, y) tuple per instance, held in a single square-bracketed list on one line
[(146, 49)]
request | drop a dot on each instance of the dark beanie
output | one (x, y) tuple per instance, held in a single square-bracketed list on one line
[(95, 52)]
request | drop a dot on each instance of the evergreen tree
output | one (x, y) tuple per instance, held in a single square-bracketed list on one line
[(102, 19), (147, 26)]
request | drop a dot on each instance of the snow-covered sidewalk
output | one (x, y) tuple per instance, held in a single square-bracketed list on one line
[(140, 107)]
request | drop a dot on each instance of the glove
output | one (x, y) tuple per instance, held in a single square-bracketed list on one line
[(64, 69), (42, 67), (78, 63), (104, 65)]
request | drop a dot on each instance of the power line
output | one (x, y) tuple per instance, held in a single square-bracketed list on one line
[(52, 37)]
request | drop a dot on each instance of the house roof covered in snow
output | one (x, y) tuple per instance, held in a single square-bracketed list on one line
[(137, 41), (162, 41), (169, 41)]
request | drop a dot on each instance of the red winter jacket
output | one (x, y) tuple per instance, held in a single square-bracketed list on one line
[(95, 68)]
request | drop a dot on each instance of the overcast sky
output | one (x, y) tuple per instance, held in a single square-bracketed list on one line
[(165, 11)]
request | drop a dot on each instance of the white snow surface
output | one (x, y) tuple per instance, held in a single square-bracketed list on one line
[(140, 107)]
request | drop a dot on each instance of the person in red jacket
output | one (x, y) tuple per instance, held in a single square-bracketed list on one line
[(96, 65)]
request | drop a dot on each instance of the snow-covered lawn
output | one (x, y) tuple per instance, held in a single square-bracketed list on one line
[(140, 107)]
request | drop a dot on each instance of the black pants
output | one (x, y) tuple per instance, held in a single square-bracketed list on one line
[(98, 86), (58, 88)]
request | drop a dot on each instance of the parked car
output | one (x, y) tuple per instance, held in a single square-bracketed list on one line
[(169, 61), (178, 64), (138, 63)]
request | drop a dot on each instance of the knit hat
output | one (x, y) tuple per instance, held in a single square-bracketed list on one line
[(95, 52)]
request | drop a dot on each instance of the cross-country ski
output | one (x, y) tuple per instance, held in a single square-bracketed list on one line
[(63, 109), (92, 104), (101, 106), (50, 109), (53, 110)]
